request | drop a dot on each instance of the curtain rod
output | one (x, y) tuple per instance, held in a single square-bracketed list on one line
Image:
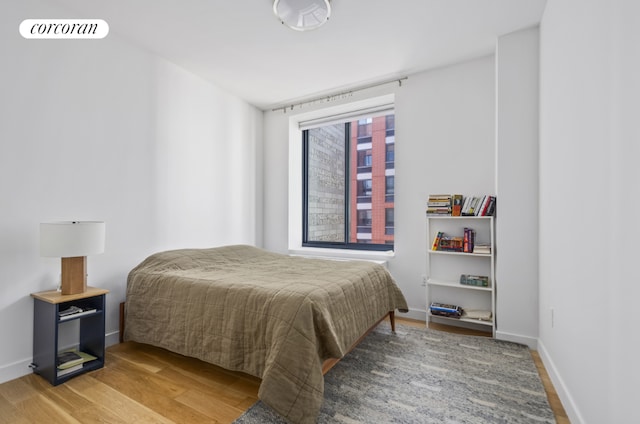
[(338, 96)]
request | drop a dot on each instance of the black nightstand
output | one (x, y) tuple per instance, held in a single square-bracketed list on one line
[(47, 321)]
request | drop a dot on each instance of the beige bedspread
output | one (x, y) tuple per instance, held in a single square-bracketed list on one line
[(273, 316)]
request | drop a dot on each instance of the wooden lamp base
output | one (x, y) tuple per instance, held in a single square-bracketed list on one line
[(74, 275)]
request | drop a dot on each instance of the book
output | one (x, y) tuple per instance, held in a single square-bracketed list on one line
[(478, 314), (472, 206), (482, 249), (440, 197), (474, 280), (451, 244), (466, 241), (469, 240), (71, 310), (482, 201), (68, 359), (76, 312), (72, 358), (491, 207), (436, 240), (456, 208), (439, 211), (465, 205), (442, 309), (65, 371)]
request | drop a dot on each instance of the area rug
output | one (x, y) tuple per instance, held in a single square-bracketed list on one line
[(426, 376)]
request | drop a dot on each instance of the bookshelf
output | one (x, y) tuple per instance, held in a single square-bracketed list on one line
[(445, 268)]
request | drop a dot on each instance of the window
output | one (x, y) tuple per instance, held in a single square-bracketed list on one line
[(364, 158), (347, 186), (365, 188), (388, 221), (390, 154), (365, 127), (364, 221), (389, 189), (365, 131), (364, 161), (325, 156), (390, 125)]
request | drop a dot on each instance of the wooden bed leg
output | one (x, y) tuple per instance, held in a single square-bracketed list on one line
[(121, 322), (392, 320)]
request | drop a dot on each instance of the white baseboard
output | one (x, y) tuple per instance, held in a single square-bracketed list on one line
[(416, 314), (15, 370), (516, 338), (112, 338), (568, 403)]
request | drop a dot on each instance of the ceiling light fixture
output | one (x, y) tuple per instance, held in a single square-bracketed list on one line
[(302, 15)]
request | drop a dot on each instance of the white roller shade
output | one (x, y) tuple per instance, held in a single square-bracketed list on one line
[(369, 112)]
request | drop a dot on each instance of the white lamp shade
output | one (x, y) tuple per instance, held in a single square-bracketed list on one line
[(302, 15), (69, 239)]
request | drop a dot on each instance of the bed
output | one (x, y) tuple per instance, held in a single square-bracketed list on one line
[(274, 316)]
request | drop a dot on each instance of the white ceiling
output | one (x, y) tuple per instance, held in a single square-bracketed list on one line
[(241, 46)]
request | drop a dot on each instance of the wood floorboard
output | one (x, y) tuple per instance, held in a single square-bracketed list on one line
[(144, 384)]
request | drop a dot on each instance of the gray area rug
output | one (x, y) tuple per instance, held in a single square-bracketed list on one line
[(426, 376)]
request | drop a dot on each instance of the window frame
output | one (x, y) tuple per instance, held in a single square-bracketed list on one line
[(347, 244), (291, 232)]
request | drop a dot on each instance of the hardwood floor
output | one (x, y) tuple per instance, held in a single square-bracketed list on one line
[(144, 384)]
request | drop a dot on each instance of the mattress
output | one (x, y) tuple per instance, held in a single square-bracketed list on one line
[(274, 316)]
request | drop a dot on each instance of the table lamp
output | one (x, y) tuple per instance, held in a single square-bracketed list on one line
[(72, 241)]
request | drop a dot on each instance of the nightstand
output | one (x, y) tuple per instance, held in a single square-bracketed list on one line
[(47, 321)]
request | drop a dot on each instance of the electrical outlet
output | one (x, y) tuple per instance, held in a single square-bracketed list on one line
[(552, 317), (424, 280)]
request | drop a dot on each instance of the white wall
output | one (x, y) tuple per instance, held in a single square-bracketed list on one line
[(444, 124), (206, 162), (589, 150), (517, 94), (99, 129)]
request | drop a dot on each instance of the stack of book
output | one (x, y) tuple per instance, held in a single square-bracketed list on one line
[(469, 240), (441, 309), (474, 280), (72, 360), (466, 244), (439, 205), (479, 206)]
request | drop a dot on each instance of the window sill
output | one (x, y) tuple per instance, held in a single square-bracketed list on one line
[(344, 254)]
